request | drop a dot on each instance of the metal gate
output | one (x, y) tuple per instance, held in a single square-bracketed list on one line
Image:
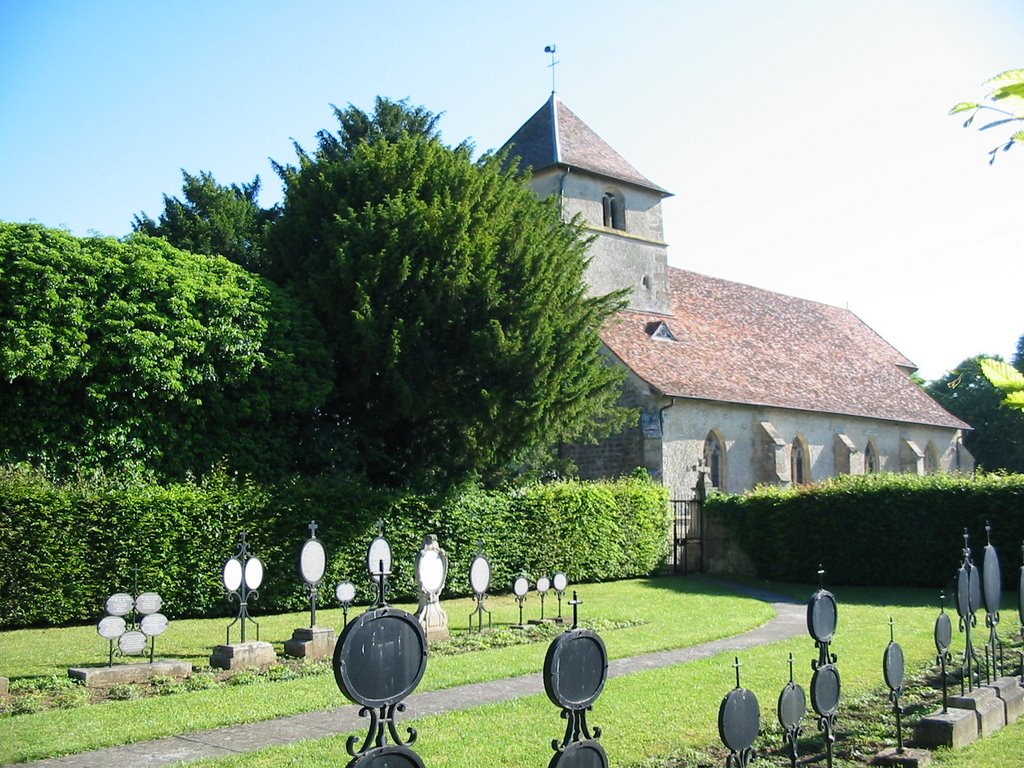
[(687, 536)]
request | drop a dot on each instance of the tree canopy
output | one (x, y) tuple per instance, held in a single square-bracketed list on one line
[(1006, 109), (453, 300), (129, 354)]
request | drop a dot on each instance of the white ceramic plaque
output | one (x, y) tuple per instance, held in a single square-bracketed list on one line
[(148, 602), (132, 643), (521, 586), (480, 575), (345, 592), (543, 584), (253, 573), (380, 551), (111, 627), (561, 581), (233, 574), (153, 624), (431, 572), (120, 604), (312, 561)]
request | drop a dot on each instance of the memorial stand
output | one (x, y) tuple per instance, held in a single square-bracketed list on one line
[(822, 620), (312, 642), (431, 572), (242, 577), (480, 581)]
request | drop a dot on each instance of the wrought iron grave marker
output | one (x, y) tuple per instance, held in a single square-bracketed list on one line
[(480, 581), (560, 582), (943, 640), (132, 623), (520, 588), (968, 599), (242, 577), (893, 669), (791, 709), (993, 594), (345, 593), (822, 620), (312, 566), (739, 722)]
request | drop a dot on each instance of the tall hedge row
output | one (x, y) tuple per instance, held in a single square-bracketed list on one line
[(887, 529), (65, 548)]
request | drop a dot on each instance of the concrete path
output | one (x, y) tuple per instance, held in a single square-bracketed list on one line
[(790, 621)]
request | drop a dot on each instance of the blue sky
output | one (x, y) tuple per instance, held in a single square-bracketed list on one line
[(806, 142)]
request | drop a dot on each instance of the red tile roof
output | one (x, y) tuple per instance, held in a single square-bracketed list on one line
[(740, 344)]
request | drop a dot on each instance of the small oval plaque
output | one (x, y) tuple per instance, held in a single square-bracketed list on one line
[(132, 643), (825, 688), (378, 556), (253, 573), (893, 665), (822, 616), (520, 586), (431, 572), (560, 581), (580, 754), (345, 592), (575, 669), (148, 602), (380, 658), (543, 584), (480, 575), (232, 575), (993, 580), (111, 627), (312, 561), (153, 625), (739, 719), (943, 633), (792, 705), (391, 756), (119, 604), (976, 602)]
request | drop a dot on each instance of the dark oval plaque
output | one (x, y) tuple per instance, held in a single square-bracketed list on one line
[(391, 756), (825, 688), (822, 616), (963, 592), (943, 633), (976, 604), (792, 705), (993, 580), (380, 657), (580, 754), (893, 665), (739, 719), (575, 669)]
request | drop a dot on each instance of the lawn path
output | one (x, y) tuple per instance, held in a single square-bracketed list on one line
[(789, 621)]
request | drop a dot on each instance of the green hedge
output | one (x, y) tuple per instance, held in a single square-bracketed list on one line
[(65, 548), (886, 529)]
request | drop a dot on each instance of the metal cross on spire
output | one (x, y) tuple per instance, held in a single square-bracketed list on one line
[(551, 49)]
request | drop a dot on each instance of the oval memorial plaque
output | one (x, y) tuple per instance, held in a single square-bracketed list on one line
[(822, 616), (825, 689), (993, 580), (380, 657), (739, 719), (119, 604), (480, 575), (943, 633), (976, 603), (893, 666), (543, 584), (148, 602), (312, 561), (232, 575), (520, 586), (153, 624), (792, 705), (560, 582), (390, 756), (430, 571), (575, 669), (378, 556), (132, 643), (111, 627), (253, 573), (345, 592), (580, 754)]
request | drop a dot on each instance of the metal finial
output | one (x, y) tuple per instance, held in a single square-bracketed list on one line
[(312, 528), (791, 668), (551, 49), (575, 603), (988, 533), (821, 576), (736, 665), (942, 601), (380, 527), (892, 637)]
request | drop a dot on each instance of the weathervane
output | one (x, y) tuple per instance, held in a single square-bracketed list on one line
[(551, 49)]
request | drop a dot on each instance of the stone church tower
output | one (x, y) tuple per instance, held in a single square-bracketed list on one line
[(620, 205)]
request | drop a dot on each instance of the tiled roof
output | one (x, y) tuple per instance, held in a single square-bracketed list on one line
[(740, 344), (555, 136)]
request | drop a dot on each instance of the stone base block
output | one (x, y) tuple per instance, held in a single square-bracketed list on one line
[(907, 758), (4, 686), (1010, 692), (988, 708), (104, 677), (953, 728), (434, 620), (312, 643), (239, 655)]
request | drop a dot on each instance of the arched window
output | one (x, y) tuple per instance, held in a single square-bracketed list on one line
[(931, 459), (798, 463), (613, 211), (870, 460), (714, 460)]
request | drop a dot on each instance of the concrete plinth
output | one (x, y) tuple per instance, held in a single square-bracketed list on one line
[(908, 758), (1010, 692), (4, 686), (239, 655), (988, 708), (954, 728), (311, 643), (434, 620), (103, 677)]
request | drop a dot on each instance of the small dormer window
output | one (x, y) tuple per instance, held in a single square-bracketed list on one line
[(613, 211), (658, 329)]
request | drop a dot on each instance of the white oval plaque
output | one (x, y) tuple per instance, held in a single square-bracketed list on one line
[(120, 604), (521, 586), (480, 575), (379, 552), (148, 602), (132, 643), (345, 592), (153, 624), (561, 581), (253, 573), (543, 584), (233, 574), (111, 627), (312, 561), (431, 572)]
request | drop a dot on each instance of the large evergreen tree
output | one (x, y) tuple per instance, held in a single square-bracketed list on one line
[(453, 301)]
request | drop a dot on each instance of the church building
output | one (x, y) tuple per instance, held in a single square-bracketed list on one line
[(755, 386)]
